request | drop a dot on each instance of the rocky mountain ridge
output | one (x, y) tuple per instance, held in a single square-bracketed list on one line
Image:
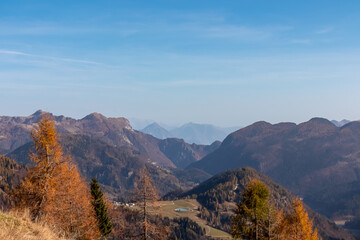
[(117, 132)]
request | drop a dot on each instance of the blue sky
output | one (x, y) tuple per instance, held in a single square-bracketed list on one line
[(227, 63)]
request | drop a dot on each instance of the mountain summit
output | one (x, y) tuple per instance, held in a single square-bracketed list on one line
[(304, 157), (157, 131)]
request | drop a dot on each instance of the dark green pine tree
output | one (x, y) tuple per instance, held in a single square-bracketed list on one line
[(103, 220)]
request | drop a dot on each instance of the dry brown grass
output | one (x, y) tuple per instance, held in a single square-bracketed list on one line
[(15, 226)]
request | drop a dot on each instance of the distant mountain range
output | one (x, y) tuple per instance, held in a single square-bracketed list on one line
[(157, 131), (340, 123), (190, 132)]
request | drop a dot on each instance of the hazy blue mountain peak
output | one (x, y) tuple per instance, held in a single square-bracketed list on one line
[(156, 130)]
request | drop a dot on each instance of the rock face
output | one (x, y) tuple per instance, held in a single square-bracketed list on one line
[(308, 158), (15, 131), (116, 132)]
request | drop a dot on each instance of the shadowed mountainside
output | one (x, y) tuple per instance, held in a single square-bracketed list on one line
[(182, 154), (337, 201), (11, 174), (116, 167)]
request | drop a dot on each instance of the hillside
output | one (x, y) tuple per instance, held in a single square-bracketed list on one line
[(11, 174), (219, 194), (305, 158), (15, 227), (115, 167), (337, 201)]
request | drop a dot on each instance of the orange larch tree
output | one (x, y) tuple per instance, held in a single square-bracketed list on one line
[(296, 225), (53, 190), (147, 197)]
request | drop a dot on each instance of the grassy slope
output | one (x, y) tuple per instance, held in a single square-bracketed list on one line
[(15, 227), (167, 209)]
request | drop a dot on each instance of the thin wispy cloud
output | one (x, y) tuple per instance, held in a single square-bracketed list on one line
[(10, 52), (301, 41), (17, 53), (234, 32), (324, 30), (191, 83), (43, 28), (66, 29)]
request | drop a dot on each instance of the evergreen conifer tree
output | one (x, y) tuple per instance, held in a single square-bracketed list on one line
[(252, 213), (103, 219)]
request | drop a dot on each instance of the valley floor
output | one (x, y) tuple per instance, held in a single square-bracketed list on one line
[(167, 209)]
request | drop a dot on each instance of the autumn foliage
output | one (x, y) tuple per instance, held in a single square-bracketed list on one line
[(296, 225), (146, 194), (53, 191)]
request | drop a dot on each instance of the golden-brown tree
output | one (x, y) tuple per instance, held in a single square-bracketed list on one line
[(47, 156), (296, 225), (146, 197), (53, 190)]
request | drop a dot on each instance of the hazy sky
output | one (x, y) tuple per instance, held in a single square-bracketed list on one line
[(227, 63)]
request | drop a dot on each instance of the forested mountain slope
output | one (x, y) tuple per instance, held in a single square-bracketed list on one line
[(11, 174), (219, 194), (116, 167)]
